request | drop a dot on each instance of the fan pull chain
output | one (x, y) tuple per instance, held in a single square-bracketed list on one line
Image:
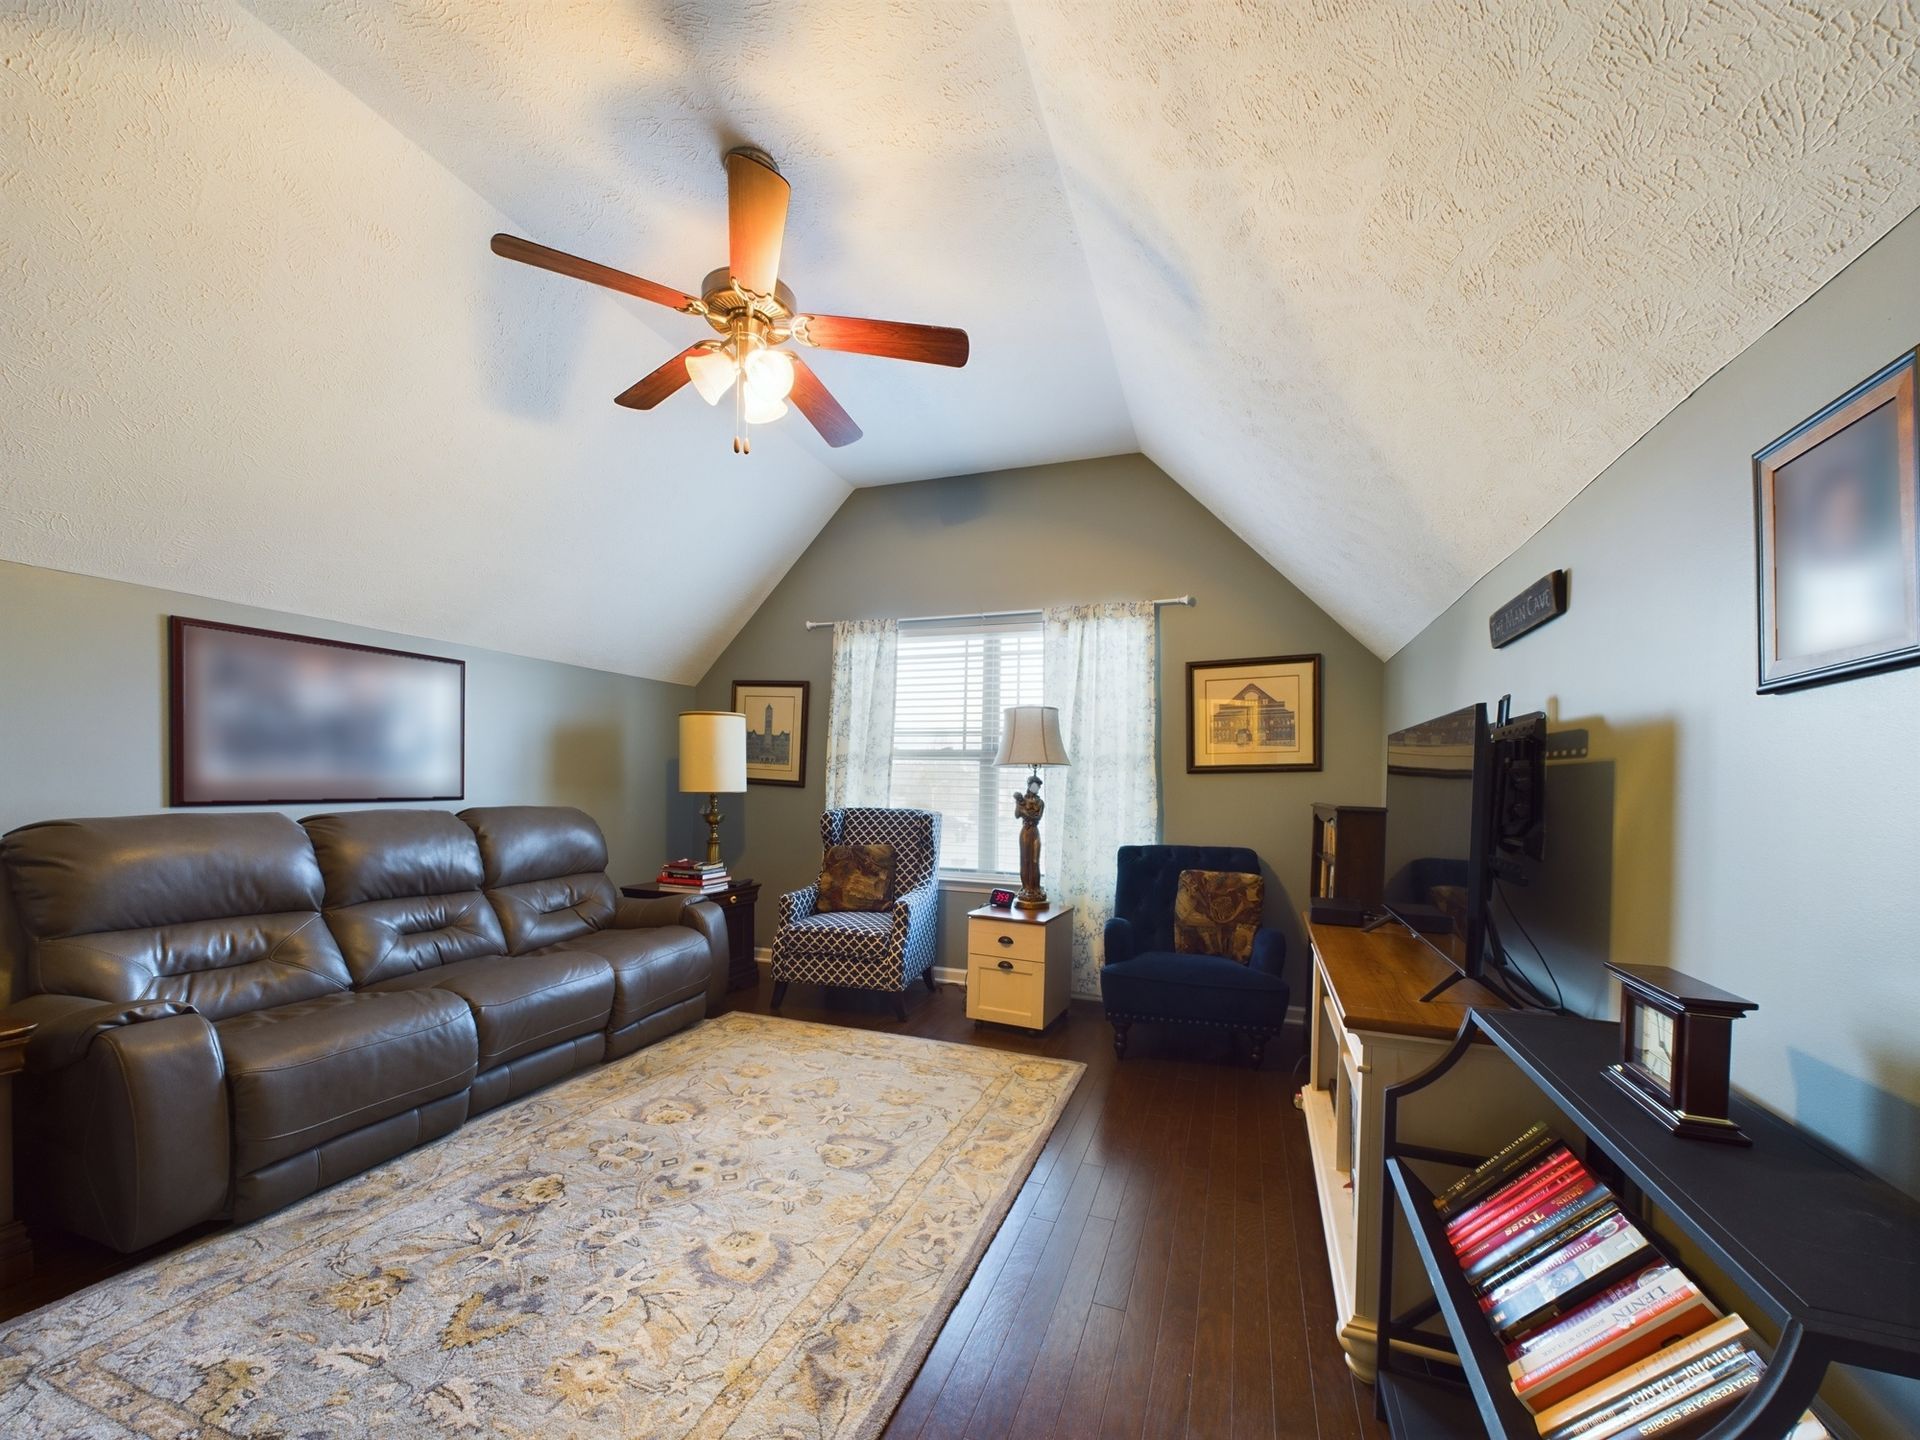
[(741, 444)]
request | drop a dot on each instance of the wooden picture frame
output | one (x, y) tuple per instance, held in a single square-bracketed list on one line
[(1836, 552), (1252, 716), (265, 717), (776, 712)]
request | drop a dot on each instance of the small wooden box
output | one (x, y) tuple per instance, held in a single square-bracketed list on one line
[(1019, 965)]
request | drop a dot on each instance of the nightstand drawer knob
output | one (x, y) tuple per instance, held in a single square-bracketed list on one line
[(1006, 964), (1006, 939)]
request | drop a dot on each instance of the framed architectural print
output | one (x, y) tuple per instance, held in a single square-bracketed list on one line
[(265, 718), (1838, 565), (1251, 715), (776, 712)]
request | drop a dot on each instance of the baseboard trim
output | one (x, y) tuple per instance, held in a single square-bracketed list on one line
[(955, 975)]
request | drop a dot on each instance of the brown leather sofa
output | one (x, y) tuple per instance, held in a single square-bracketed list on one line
[(237, 1010)]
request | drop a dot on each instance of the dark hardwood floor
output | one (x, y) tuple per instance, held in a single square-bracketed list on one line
[(1161, 1274)]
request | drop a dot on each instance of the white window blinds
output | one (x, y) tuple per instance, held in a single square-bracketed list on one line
[(954, 678)]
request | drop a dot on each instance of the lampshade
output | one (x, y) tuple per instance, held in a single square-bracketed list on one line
[(713, 752), (712, 373), (1030, 735)]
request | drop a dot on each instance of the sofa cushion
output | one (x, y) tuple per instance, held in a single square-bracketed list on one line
[(522, 1003), (1207, 989), (1217, 912), (220, 912), (301, 1074), (856, 877), (385, 938), (544, 868), (652, 968), (403, 891), (393, 854)]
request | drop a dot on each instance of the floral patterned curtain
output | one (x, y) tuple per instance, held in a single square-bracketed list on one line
[(860, 713), (1101, 673)]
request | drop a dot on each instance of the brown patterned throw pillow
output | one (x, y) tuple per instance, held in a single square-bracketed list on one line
[(1216, 912), (856, 877)]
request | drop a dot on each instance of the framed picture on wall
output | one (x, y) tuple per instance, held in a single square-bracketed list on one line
[(1252, 715), (1834, 534), (776, 712), (261, 717)]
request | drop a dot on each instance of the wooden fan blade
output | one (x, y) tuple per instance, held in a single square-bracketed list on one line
[(895, 339), (512, 247), (816, 402), (756, 220), (660, 384)]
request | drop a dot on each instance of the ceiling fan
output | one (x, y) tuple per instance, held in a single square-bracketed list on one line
[(754, 314)]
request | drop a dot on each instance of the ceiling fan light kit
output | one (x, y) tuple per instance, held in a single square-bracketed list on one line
[(755, 313)]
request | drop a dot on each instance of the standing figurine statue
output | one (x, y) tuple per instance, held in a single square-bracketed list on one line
[(1028, 807)]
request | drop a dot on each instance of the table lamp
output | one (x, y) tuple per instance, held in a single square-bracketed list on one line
[(1030, 735), (713, 762)]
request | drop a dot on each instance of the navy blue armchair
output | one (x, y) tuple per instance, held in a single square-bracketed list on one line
[(1142, 977)]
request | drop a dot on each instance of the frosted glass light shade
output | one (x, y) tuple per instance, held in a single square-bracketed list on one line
[(770, 373), (761, 409), (713, 752), (1030, 735), (712, 373)]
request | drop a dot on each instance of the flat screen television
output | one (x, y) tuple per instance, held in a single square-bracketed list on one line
[(1464, 803), (1439, 798)]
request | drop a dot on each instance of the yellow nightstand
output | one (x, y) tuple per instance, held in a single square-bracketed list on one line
[(1019, 965)]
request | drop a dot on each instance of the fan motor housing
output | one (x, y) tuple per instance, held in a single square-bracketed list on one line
[(723, 302)]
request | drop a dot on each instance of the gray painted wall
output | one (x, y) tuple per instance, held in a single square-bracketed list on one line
[(83, 715), (1114, 529), (1766, 843)]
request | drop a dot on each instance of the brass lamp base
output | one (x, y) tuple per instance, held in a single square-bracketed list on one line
[(1029, 807), (713, 817)]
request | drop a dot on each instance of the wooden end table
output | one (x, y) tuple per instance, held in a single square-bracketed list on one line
[(736, 902), (16, 1252)]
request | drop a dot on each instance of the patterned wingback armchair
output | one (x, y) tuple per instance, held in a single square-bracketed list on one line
[(877, 949), (1142, 976)]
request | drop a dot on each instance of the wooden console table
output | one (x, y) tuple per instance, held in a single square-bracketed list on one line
[(1802, 1240), (1368, 1029)]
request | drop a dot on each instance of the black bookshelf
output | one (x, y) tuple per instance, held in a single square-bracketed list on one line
[(1828, 1252)]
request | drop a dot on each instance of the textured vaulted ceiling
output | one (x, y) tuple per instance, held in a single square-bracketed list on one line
[(1381, 284)]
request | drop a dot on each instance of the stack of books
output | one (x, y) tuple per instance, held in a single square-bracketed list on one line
[(1605, 1339), (703, 876)]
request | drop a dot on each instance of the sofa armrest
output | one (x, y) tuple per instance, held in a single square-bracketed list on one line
[(650, 914), (693, 912), (1119, 942), (1269, 950), (125, 1122), (65, 1026), (798, 904)]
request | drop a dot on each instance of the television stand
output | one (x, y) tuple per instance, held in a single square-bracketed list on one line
[(1368, 1028), (1387, 913)]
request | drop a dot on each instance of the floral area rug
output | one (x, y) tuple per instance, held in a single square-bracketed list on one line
[(752, 1229)]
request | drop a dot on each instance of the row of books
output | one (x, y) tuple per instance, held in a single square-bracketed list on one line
[(1605, 1339), (701, 875)]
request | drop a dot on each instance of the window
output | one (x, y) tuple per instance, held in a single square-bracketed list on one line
[(953, 680)]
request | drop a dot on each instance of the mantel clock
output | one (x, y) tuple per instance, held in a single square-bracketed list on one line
[(1676, 1050)]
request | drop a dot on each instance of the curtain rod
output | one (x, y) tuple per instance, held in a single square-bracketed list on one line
[(985, 614)]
